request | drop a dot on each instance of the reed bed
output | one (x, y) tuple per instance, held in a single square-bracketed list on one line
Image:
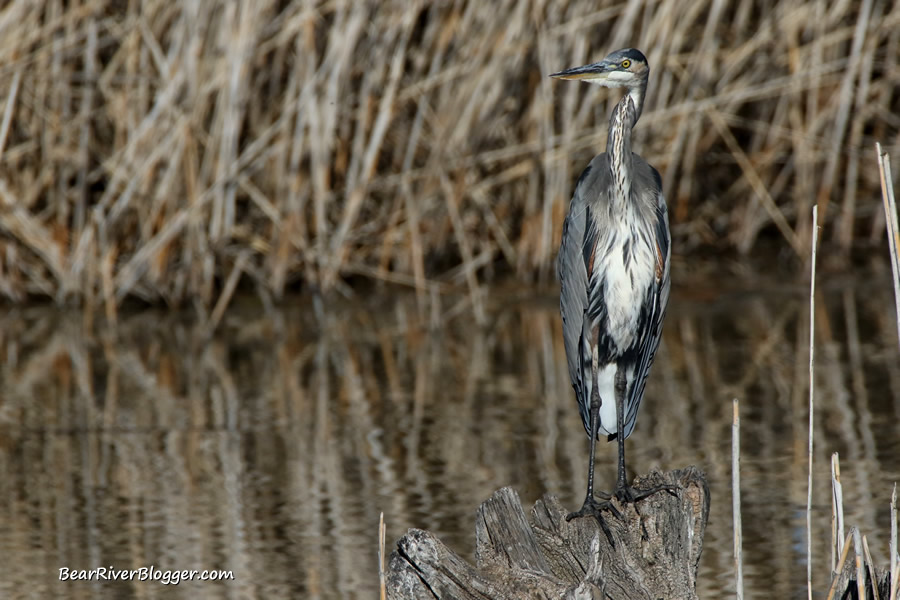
[(175, 152)]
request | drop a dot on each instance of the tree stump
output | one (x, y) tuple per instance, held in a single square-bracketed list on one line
[(655, 550)]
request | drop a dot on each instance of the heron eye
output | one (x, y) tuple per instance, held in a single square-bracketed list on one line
[(626, 63)]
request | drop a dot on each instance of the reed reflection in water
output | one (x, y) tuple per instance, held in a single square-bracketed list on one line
[(271, 449)]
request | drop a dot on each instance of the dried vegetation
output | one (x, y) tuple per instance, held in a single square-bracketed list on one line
[(172, 151)]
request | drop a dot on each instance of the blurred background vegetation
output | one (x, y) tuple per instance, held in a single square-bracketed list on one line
[(176, 152)]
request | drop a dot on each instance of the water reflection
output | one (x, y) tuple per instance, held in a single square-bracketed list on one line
[(271, 449)]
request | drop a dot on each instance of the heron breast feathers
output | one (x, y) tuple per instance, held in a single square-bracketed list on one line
[(628, 271)]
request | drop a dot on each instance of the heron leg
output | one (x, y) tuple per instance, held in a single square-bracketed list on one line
[(625, 493), (595, 419), (620, 425), (592, 506)]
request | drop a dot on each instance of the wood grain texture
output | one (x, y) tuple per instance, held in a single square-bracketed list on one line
[(653, 552)]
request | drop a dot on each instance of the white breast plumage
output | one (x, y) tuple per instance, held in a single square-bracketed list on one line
[(628, 268)]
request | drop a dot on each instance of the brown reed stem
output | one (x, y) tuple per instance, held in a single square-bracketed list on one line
[(837, 511), (736, 499), (812, 355), (871, 567), (860, 564), (382, 584), (840, 567), (895, 572), (893, 229)]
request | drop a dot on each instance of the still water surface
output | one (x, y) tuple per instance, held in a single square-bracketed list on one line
[(271, 449)]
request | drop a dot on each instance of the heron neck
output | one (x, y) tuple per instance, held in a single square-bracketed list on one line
[(618, 147)]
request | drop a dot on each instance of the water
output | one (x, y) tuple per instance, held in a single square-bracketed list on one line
[(271, 449)]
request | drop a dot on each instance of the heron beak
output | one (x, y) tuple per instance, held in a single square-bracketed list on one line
[(593, 72)]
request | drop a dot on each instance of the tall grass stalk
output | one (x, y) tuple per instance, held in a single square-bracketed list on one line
[(860, 564), (736, 499), (812, 362), (840, 566), (382, 583), (870, 564), (890, 219), (837, 511), (895, 557)]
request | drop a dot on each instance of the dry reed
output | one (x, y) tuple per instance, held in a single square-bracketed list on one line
[(895, 573), (890, 219), (737, 529), (869, 580), (840, 566), (812, 377), (864, 576), (160, 151), (382, 582), (837, 513)]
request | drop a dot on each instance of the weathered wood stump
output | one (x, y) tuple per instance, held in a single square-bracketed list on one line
[(655, 551)]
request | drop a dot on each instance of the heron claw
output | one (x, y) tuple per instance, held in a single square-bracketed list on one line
[(594, 508), (624, 494), (627, 494)]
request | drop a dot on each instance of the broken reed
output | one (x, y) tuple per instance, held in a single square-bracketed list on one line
[(171, 151), (869, 579)]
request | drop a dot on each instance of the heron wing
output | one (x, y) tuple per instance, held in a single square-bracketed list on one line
[(574, 265), (656, 301)]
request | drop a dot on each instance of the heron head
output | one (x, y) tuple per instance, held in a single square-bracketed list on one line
[(622, 68)]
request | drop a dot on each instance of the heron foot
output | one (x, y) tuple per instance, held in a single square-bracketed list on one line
[(623, 494), (627, 494), (595, 508)]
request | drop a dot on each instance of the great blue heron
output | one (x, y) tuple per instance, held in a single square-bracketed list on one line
[(614, 270)]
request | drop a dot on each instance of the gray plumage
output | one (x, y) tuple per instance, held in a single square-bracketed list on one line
[(613, 263), (591, 233)]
